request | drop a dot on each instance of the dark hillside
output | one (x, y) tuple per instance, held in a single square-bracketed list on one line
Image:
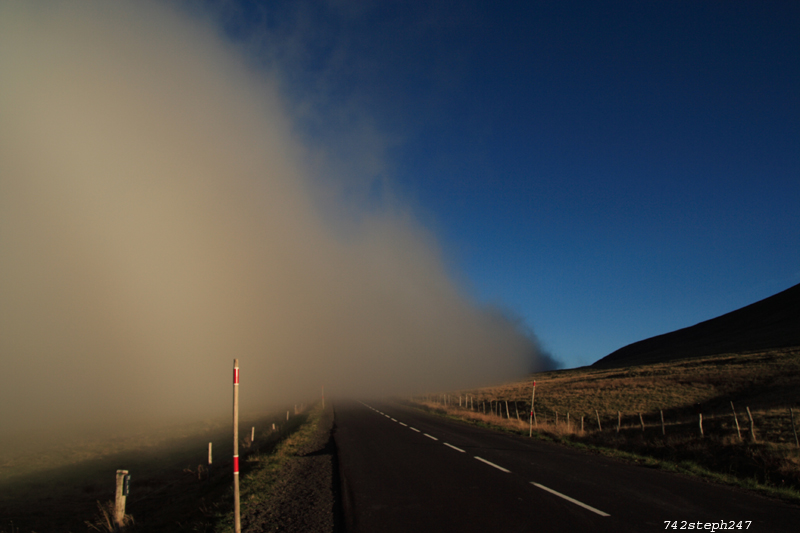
[(771, 323)]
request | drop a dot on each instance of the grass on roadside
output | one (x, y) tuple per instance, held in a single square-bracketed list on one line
[(673, 458), (261, 470), (172, 487), (767, 383)]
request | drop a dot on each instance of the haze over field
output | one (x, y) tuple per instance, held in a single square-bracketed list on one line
[(159, 217)]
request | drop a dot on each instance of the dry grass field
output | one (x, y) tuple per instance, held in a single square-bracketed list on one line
[(61, 487), (629, 403)]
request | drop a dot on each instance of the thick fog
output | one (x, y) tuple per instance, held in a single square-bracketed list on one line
[(160, 216)]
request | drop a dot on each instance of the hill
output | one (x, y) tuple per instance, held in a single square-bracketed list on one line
[(768, 324)]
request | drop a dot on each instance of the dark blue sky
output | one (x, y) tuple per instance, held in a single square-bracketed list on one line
[(605, 171)]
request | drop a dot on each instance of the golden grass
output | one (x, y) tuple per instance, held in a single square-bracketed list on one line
[(766, 382)]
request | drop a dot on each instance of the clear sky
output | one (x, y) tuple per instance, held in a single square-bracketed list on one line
[(606, 171)]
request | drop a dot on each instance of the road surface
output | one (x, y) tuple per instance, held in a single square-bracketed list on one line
[(406, 471)]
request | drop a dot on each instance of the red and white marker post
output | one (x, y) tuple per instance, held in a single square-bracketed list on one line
[(237, 525)]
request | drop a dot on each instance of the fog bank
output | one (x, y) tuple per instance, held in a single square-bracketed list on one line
[(159, 217)]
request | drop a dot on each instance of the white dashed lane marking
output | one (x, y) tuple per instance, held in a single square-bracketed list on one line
[(481, 459), (492, 464), (573, 500)]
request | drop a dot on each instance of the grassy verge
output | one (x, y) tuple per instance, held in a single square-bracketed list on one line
[(703, 460), (172, 488), (617, 413), (261, 470)]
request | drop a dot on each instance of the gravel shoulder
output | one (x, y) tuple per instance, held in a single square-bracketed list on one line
[(305, 497)]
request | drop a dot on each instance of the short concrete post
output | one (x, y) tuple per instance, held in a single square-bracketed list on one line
[(209, 453), (119, 501)]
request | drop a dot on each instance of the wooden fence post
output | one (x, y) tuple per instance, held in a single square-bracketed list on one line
[(641, 421), (533, 412), (663, 430), (567, 420), (598, 420), (517, 410), (581, 423), (700, 415), (794, 430), (738, 431), (209, 453), (752, 425), (508, 414), (619, 421)]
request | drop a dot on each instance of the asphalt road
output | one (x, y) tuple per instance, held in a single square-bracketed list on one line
[(405, 471)]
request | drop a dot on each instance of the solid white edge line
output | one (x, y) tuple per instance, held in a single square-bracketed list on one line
[(456, 449), (413, 429), (430, 436), (573, 500), (481, 459)]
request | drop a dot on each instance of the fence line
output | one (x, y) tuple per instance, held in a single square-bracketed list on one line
[(774, 424)]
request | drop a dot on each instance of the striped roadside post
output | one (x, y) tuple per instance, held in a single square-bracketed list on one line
[(237, 525)]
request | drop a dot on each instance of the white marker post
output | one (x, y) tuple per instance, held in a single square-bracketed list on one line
[(237, 524), (119, 501)]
